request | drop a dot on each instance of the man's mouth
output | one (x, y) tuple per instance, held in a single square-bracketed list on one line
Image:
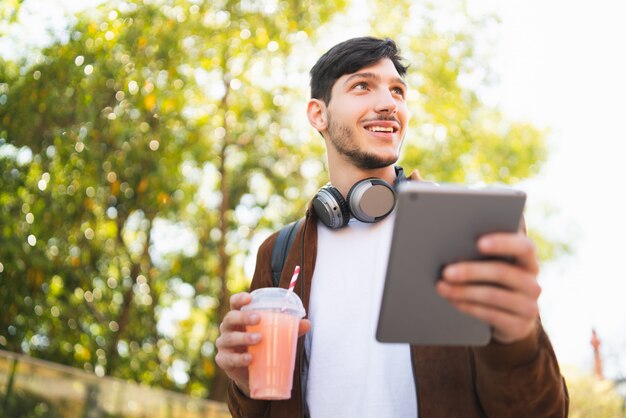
[(388, 129), (382, 126)]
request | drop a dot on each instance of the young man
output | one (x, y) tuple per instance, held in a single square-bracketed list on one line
[(358, 105)]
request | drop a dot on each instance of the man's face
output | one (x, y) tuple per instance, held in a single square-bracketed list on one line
[(367, 115)]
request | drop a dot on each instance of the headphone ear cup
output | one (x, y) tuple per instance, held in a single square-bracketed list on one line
[(331, 208), (371, 200)]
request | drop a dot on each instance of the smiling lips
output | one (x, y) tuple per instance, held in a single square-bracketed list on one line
[(382, 126), (380, 129)]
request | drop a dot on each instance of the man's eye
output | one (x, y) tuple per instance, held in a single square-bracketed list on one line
[(397, 90), (360, 86)]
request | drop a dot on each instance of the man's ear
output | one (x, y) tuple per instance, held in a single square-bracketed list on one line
[(316, 112)]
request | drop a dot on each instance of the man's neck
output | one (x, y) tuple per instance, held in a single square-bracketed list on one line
[(345, 176)]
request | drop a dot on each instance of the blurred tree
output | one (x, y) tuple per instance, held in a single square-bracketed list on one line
[(591, 397), (454, 136), (8, 13), (143, 160), (157, 113)]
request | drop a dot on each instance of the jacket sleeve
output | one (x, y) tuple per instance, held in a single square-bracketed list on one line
[(521, 379), (239, 404)]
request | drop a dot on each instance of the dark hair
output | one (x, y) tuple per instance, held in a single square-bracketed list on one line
[(348, 57)]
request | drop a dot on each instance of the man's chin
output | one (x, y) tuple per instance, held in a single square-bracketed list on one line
[(373, 162)]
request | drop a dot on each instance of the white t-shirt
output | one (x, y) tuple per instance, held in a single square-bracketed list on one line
[(350, 373)]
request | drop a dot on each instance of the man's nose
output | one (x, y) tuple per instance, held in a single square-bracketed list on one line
[(386, 103)]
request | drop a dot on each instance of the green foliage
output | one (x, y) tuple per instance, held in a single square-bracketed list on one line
[(591, 397), (143, 159), (454, 137), (28, 406), (8, 13), (150, 113)]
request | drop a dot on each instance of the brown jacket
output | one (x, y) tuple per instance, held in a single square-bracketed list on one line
[(516, 380)]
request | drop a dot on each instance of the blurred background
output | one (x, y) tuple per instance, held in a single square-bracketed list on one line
[(148, 147)]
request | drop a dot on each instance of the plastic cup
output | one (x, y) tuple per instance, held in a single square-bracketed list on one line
[(273, 359)]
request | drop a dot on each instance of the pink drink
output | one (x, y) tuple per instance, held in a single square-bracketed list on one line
[(271, 370)]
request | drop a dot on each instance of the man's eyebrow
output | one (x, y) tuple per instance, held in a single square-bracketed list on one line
[(374, 77)]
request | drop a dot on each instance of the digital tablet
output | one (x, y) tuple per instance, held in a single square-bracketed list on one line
[(436, 225)]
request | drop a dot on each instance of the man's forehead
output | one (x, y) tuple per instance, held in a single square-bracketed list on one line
[(369, 71)]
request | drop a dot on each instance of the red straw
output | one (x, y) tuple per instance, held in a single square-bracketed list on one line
[(292, 284)]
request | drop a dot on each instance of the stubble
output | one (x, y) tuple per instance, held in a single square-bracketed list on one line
[(342, 138)]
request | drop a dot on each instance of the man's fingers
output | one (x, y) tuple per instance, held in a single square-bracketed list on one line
[(305, 326), (491, 297), (239, 299), (228, 361), (233, 339), (511, 314), (237, 320), (516, 327), (518, 246), (493, 272), (501, 294)]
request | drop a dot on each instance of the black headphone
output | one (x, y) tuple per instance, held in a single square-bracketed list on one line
[(369, 200)]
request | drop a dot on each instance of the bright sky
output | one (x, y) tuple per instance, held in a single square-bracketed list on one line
[(562, 65)]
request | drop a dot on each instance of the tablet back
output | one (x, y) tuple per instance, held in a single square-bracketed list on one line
[(434, 226)]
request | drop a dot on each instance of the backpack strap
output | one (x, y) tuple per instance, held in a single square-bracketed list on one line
[(281, 248)]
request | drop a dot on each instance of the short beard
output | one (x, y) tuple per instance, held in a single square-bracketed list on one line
[(341, 137)]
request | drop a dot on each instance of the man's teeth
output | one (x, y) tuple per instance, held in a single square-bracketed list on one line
[(379, 129)]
